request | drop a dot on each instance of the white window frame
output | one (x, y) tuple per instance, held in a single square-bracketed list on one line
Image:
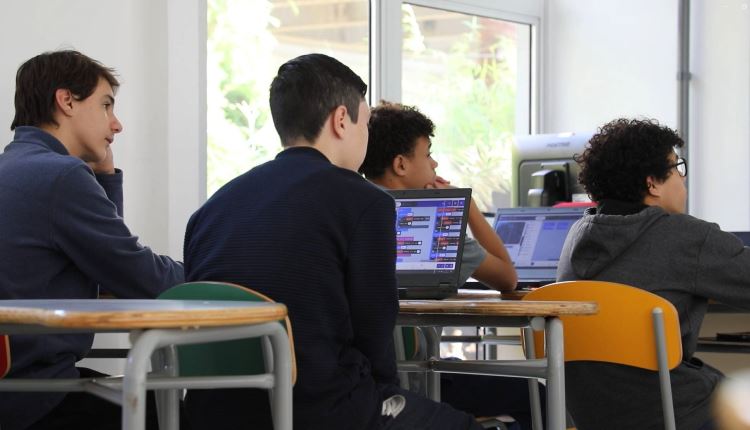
[(187, 90), (386, 43)]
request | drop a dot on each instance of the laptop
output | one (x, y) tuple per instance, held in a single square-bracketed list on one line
[(744, 236), (430, 232), (534, 239)]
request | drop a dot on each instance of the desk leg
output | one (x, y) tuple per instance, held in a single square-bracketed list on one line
[(433, 335), (282, 369), (164, 361), (555, 374), (144, 344), (134, 380), (536, 404)]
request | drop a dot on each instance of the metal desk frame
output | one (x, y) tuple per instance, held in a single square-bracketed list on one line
[(130, 390), (551, 368)]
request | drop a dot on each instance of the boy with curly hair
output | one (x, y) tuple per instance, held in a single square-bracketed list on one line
[(639, 235)]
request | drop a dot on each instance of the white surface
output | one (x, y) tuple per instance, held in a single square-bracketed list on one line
[(719, 159), (157, 149), (603, 60), (109, 366)]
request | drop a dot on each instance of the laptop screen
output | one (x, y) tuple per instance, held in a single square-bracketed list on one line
[(430, 232), (534, 238), (744, 236)]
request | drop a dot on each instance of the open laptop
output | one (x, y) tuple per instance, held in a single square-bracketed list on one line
[(744, 236), (430, 231), (534, 239)]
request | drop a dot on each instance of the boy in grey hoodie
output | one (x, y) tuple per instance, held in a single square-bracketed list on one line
[(639, 235)]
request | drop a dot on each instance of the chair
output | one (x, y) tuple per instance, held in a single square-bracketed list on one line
[(228, 358), (4, 355), (633, 327)]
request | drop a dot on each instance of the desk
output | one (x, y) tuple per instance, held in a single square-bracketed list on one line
[(711, 344), (488, 312), (721, 320), (154, 324)]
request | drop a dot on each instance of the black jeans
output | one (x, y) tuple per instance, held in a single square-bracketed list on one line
[(421, 413), (488, 396), (232, 409)]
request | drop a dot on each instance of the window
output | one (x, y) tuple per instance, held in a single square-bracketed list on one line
[(247, 42), (470, 75), (470, 70), (465, 63)]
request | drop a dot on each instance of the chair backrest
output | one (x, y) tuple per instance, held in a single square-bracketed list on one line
[(622, 332), (411, 342), (4, 355), (234, 357)]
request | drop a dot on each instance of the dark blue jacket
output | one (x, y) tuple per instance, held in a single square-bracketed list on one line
[(62, 236), (321, 240)]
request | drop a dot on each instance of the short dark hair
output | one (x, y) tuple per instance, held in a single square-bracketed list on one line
[(394, 129), (306, 90), (39, 78), (622, 154)]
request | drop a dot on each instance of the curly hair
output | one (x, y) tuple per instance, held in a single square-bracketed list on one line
[(394, 129), (622, 154)]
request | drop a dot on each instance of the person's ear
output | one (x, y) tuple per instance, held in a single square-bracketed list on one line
[(64, 101), (653, 187), (339, 117), (400, 165)]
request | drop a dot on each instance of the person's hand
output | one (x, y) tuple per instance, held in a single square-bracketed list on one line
[(440, 183), (105, 166)]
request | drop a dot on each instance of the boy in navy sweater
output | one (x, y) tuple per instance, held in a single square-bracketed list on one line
[(308, 231), (62, 235)]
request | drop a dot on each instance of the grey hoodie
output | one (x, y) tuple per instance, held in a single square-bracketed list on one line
[(679, 257)]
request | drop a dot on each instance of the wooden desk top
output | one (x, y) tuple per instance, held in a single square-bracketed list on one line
[(476, 294), (101, 314), (509, 308)]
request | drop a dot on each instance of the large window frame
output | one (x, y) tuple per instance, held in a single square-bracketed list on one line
[(386, 40), (386, 53), (186, 96)]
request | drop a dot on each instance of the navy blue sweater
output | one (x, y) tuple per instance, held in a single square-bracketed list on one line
[(321, 240), (62, 236)]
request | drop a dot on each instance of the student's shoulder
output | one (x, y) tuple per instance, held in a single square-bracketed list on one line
[(75, 171), (689, 223), (50, 168), (27, 154), (688, 231), (357, 187)]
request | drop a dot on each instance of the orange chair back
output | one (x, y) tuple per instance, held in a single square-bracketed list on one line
[(622, 332)]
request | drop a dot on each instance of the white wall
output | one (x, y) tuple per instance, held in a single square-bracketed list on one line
[(720, 107), (607, 59), (155, 47), (129, 36)]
